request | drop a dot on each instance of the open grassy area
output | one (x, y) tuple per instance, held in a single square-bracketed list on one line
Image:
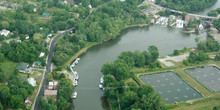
[(8, 67)]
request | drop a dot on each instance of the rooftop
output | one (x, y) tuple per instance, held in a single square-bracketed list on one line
[(22, 66)]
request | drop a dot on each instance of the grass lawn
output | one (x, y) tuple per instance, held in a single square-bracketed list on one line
[(8, 67)]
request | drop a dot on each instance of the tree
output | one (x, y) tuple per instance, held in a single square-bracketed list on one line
[(139, 59), (217, 57), (176, 52), (16, 101), (4, 94), (2, 57), (62, 75), (49, 76), (202, 56), (38, 38), (1, 107), (2, 77), (154, 52), (62, 104), (128, 99)]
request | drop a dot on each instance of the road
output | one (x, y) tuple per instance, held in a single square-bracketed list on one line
[(36, 105)]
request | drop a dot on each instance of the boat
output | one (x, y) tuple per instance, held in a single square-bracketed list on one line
[(74, 95), (75, 83), (74, 72), (78, 59), (101, 80), (100, 85), (76, 76)]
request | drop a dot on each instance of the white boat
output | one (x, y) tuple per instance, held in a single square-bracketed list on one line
[(100, 85), (76, 76), (74, 72), (78, 59), (101, 80), (75, 83), (74, 95)]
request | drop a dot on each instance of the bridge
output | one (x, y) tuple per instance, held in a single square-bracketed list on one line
[(180, 12)]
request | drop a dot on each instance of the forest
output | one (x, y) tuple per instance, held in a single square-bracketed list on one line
[(214, 12), (13, 93), (132, 96), (186, 5), (103, 24)]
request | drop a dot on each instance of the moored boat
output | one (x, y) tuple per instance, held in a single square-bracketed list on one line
[(74, 95)]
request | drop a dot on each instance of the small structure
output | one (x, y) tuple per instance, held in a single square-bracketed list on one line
[(172, 17), (28, 101), (31, 81), (36, 64), (27, 37), (5, 32), (41, 54), (50, 86), (90, 6), (46, 15), (148, 11), (53, 85), (23, 68), (49, 93), (213, 30), (179, 23)]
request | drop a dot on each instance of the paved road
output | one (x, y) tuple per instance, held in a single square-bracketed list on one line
[(48, 69)]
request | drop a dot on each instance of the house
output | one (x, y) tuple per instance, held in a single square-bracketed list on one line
[(28, 101), (36, 64), (90, 6), (172, 17), (213, 30), (31, 81), (46, 15), (189, 18), (53, 85), (23, 68), (148, 11), (49, 93), (5, 32), (42, 54), (50, 86), (179, 23)]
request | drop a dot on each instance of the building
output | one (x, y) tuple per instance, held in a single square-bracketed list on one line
[(41, 54), (179, 23), (53, 85), (36, 64), (28, 101), (31, 81), (5, 32), (23, 68), (148, 11), (46, 15), (189, 18), (213, 30), (49, 93)]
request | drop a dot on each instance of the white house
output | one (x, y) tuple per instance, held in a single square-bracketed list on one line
[(31, 81), (179, 23), (4, 32), (42, 54), (28, 101), (50, 86)]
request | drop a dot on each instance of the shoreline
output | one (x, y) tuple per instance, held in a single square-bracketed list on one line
[(84, 50)]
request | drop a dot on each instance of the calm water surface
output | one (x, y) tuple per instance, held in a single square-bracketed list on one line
[(90, 97)]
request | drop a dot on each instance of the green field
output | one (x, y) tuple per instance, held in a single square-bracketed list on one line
[(8, 67)]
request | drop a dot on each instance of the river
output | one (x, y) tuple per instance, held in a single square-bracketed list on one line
[(166, 39), (205, 12)]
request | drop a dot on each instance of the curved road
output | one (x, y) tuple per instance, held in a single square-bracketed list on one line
[(48, 69)]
